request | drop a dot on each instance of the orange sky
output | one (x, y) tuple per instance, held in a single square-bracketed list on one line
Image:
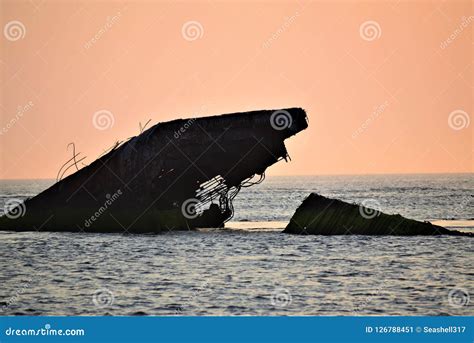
[(388, 86)]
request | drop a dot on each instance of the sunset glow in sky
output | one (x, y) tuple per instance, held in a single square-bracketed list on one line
[(387, 85)]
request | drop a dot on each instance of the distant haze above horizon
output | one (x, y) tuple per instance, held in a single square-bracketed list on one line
[(387, 86)]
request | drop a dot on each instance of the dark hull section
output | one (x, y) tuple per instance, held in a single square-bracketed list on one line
[(176, 175), (318, 215)]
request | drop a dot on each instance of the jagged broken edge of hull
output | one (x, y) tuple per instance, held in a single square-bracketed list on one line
[(144, 182)]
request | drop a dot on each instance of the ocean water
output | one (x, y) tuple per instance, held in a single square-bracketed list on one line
[(250, 268), (422, 197)]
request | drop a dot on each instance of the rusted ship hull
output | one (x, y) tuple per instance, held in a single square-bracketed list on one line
[(176, 175)]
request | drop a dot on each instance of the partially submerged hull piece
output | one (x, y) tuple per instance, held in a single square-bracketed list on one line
[(318, 215), (176, 175)]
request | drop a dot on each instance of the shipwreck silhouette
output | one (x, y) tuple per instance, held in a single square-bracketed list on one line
[(176, 175), (184, 174)]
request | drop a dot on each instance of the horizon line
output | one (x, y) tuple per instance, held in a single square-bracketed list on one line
[(298, 175)]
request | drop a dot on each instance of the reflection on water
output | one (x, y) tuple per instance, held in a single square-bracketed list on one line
[(234, 272)]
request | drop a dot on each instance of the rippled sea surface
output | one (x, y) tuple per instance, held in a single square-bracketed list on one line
[(256, 270)]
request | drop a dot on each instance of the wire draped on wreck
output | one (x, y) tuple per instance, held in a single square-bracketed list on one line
[(60, 174), (216, 189)]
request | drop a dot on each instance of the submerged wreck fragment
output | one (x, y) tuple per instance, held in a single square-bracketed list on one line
[(318, 215), (176, 175)]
